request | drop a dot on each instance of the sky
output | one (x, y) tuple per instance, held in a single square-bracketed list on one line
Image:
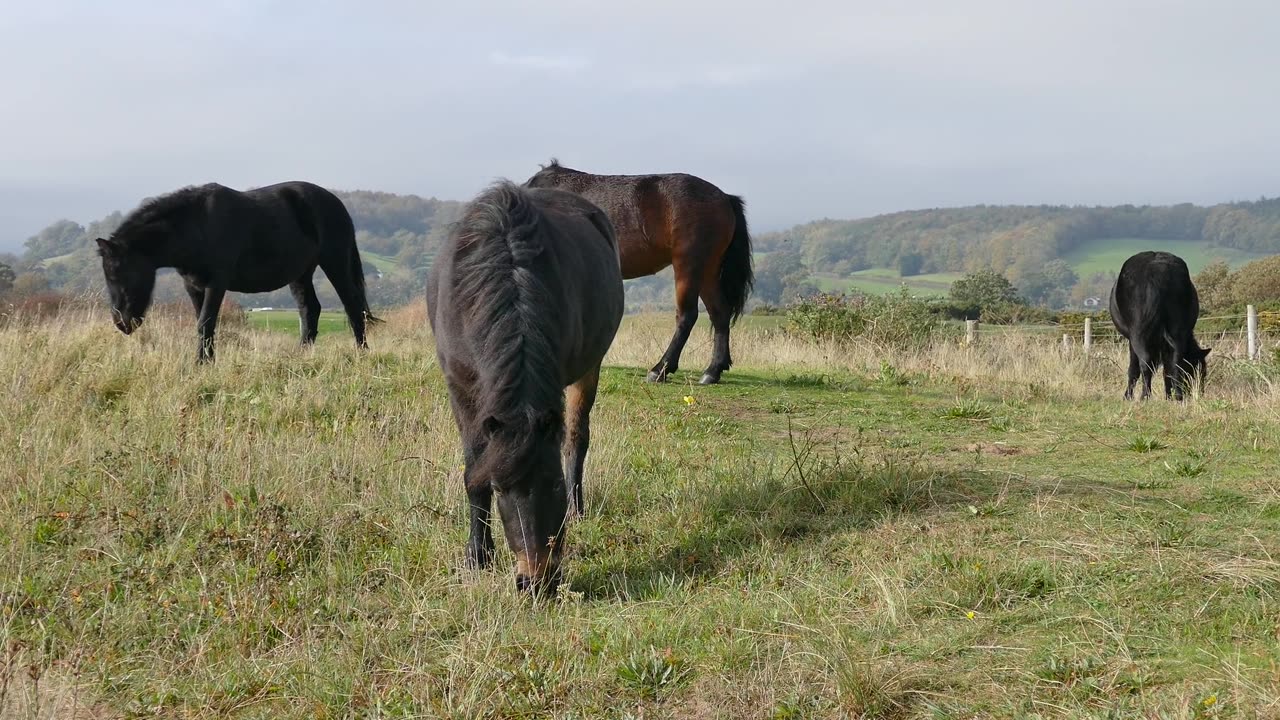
[(807, 109)]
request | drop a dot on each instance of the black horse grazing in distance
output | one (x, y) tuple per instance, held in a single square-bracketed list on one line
[(524, 300), (219, 239), (682, 221), (1154, 305)]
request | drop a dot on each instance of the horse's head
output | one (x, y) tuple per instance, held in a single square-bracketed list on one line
[(1196, 363), (521, 462), (130, 277)]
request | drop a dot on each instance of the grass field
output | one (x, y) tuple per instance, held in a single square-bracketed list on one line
[(286, 321), (883, 280), (834, 532), (1109, 255), (1098, 256), (382, 262)]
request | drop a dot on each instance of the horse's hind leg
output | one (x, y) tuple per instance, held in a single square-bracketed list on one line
[(686, 316), (339, 274), (1134, 371), (304, 293), (719, 312), (579, 398)]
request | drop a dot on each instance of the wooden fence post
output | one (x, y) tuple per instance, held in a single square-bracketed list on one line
[(970, 332), (1088, 335), (1252, 324), (1066, 342)]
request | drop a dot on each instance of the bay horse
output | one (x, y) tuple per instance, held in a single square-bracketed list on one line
[(683, 221), (219, 239), (524, 300), (1154, 305)]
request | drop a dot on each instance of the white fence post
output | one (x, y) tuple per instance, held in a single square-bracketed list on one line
[(970, 332), (1253, 332), (1088, 335)]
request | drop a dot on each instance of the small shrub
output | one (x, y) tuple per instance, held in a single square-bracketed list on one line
[(650, 672), (1144, 444), (895, 320), (968, 410)]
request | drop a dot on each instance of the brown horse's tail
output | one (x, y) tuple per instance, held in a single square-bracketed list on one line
[(736, 275)]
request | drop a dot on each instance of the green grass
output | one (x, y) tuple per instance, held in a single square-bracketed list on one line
[(1093, 257), (882, 280), (826, 534), (384, 263), (286, 321), (1108, 255)]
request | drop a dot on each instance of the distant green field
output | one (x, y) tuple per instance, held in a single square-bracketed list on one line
[(382, 262), (50, 262), (883, 280), (1105, 255), (287, 321), (1108, 255)]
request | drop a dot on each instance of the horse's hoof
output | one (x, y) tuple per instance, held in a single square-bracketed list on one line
[(655, 377), (709, 379)]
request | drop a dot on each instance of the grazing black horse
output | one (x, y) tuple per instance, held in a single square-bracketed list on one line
[(524, 300), (1154, 305), (683, 221), (220, 239)]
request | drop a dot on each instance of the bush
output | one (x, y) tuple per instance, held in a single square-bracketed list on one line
[(40, 306), (896, 320)]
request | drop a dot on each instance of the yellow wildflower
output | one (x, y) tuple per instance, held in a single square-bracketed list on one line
[(1210, 701), (689, 400), (971, 614)]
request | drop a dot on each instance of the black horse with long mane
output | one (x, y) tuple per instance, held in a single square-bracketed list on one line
[(524, 300), (219, 239), (679, 220)]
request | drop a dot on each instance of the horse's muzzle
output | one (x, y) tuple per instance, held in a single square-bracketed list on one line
[(126, 326)]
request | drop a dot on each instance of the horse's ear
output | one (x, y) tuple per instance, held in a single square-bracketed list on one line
[(106, 247)]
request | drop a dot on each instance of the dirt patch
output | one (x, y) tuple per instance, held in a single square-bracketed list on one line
[(999, 449)]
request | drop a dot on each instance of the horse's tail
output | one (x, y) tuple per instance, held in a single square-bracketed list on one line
[(736, 275), (510, 322), (357, 279)]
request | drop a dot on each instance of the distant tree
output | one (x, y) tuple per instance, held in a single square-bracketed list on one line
[(6, 278), (782, 275), (982, 290), (1213, 285), (57, 239), (1257, 282), (1050, 285), (910, 264)]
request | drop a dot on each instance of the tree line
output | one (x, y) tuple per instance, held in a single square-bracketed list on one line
[(1025, 244)]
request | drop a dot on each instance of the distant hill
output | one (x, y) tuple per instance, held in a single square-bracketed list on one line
[(926, 249)]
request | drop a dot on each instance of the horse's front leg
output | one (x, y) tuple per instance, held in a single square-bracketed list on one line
[(207, 323)]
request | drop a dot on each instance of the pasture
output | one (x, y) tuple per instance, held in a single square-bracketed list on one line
[(884, 280), (1107, 255), (833, 532)]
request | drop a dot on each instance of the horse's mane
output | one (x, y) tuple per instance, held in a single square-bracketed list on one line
[(180, 202), (510, 328)]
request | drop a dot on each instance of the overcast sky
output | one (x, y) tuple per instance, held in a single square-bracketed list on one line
[(808, 109)]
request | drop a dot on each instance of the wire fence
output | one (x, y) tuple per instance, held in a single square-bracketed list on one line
[(1085, 334)]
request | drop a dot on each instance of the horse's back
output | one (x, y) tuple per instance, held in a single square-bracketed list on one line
[(1154, 297), (577, 270)]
